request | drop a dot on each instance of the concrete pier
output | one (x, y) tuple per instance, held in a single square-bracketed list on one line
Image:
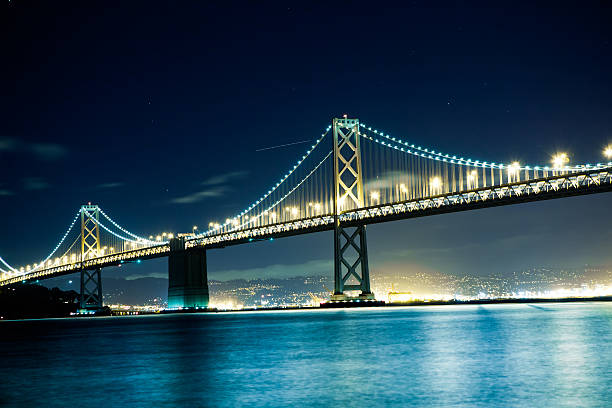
[(187, 276)]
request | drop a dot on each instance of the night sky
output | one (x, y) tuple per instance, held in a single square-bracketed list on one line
[(156, 110)]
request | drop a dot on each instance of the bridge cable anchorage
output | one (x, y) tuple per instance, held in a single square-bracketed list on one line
[(274, 187)]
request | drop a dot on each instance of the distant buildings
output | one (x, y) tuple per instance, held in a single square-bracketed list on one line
[(307, 291)]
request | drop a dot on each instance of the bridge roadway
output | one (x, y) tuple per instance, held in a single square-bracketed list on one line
[(558, 186)]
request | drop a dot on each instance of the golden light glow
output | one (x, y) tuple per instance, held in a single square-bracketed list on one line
[(375, 196), (514, 168), (435, 183), (560, 160), (608, 152)]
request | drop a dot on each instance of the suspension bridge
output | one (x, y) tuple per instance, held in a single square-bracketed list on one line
[(352, 176)]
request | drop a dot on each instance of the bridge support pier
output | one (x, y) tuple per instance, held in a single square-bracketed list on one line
[(350, 245), (91, 291), (351, 271), (187, 276)]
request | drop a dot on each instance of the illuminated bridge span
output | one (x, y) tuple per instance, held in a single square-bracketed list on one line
[(353, 175)]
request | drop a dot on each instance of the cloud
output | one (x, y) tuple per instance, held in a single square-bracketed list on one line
[(8, 145), (35, 183), (5, 193), (201, 195), (163, 275), (217, 188), (114, 184), (48, 151), (224, 178), (44, 151)]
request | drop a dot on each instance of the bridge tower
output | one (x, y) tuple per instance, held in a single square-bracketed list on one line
[(350, 245), (187, 276), (91, 281)]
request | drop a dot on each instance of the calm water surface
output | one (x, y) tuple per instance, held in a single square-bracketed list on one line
[(544, 355)]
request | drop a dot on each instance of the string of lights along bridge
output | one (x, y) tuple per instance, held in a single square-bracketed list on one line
[(352, 176)]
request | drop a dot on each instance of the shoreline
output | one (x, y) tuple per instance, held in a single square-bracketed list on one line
[(348, 305)]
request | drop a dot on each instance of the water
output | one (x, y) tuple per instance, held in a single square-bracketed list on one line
[(448, 356)]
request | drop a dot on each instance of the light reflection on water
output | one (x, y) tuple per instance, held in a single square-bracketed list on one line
[(490, 355)]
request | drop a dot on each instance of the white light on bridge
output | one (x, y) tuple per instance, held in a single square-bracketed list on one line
[(608, 152), (436, 184), (375, 196), (560, 160)]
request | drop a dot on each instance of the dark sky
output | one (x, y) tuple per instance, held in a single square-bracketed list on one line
[(132, 105)]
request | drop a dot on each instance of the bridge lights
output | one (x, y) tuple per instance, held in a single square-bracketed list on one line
[(294, 211), (608, 152), (560, 160), (436, 185), (317, 207), (375, 196), (513, 172), (472, 179)]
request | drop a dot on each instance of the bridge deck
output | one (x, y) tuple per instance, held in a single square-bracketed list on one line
[(587, 182)]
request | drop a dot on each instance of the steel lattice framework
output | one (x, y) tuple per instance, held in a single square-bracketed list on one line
[(91, 281), (350, 244)]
